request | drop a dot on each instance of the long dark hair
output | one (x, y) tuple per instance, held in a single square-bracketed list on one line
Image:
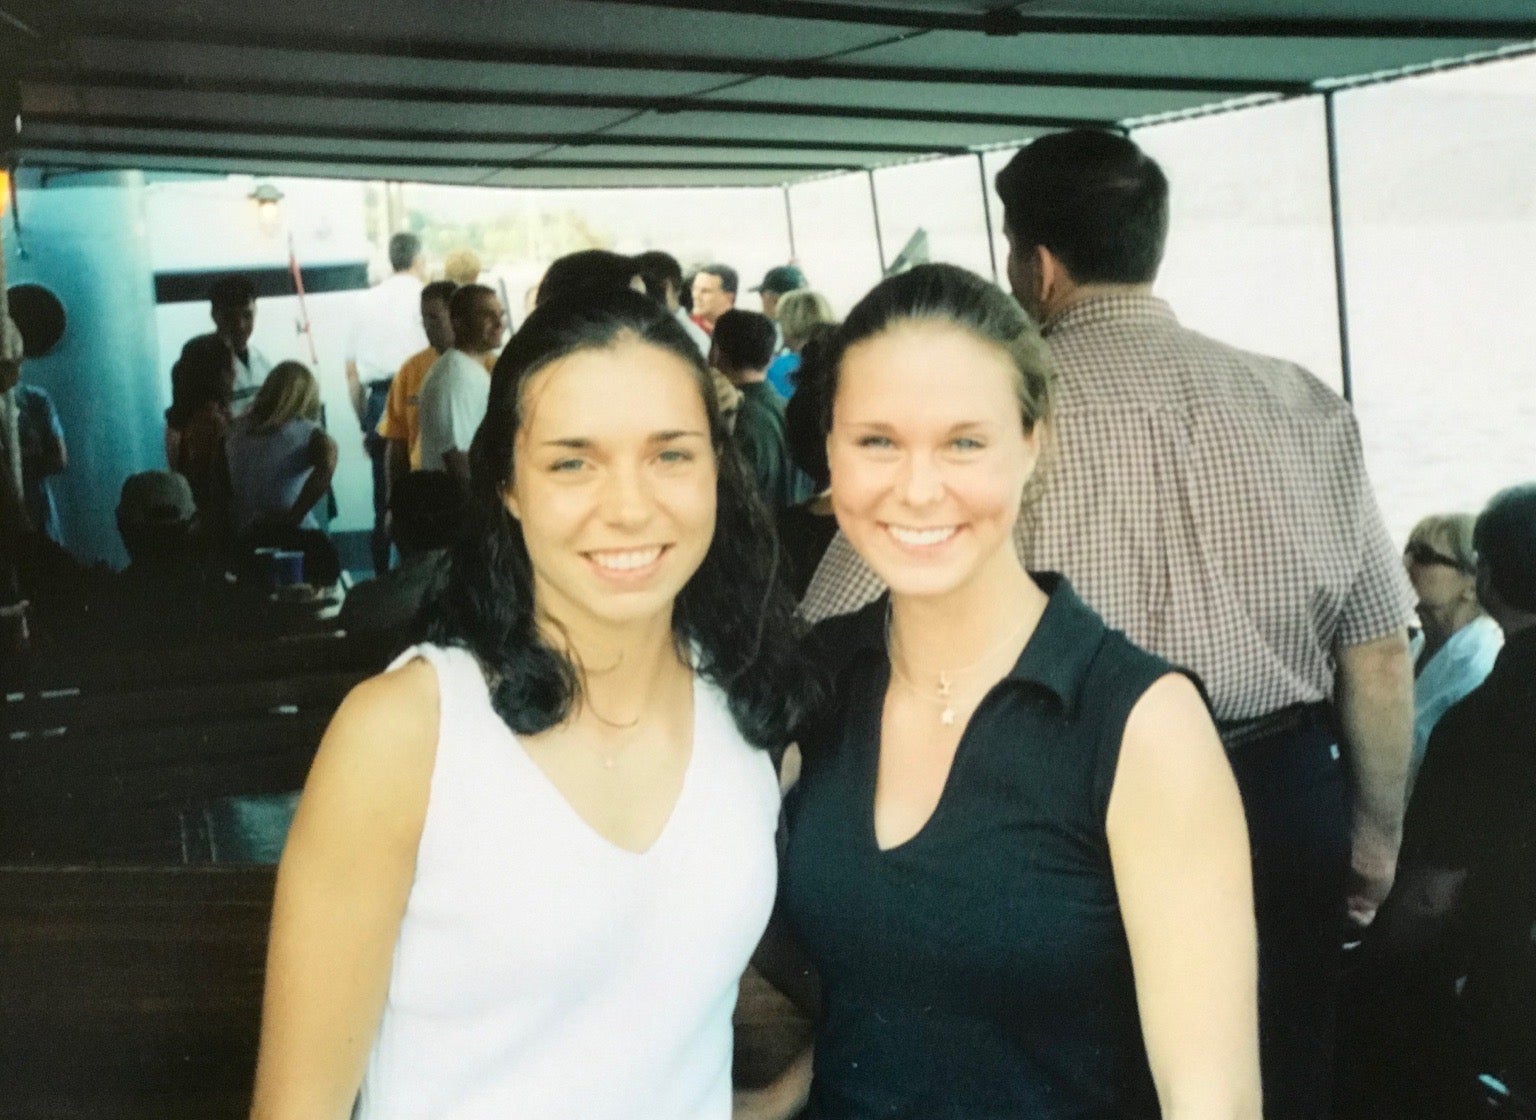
[(204, 374), (734, 611)]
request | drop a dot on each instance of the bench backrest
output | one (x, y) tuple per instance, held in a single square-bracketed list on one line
[(120, 795), (110, 669), (56, 713), (131, 992)]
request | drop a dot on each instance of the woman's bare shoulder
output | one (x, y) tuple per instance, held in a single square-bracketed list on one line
[(397, 705), (379, 750)]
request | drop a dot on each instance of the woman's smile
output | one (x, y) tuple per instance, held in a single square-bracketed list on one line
[(925, 538)]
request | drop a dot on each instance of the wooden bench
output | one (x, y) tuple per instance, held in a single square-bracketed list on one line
[(119, 795), (53, 713), (108, 669), (107, 769), (130, 993)]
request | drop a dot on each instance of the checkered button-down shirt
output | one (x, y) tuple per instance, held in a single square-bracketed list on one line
[(1211, 503)]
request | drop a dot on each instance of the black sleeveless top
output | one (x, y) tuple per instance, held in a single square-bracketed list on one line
[(980, 970)]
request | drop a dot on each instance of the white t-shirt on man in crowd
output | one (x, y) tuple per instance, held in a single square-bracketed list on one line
[(387, 327), (453, 401)]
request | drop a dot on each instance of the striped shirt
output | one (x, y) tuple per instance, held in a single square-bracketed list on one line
[(1211, 503)]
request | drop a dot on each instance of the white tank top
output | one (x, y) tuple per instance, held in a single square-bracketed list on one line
[(543, 973)]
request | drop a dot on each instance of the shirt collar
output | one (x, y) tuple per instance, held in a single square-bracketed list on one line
[(1109, 305), (1056, 657)]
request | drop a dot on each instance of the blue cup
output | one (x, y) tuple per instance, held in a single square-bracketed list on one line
[(287, 567)]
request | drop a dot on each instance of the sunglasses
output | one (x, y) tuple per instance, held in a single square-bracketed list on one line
[(1421, 554)]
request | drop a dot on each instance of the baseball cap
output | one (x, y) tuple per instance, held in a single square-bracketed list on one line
[(783, 278), (156, 498)]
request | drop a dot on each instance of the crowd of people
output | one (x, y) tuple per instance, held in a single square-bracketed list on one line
[(1120, 717)]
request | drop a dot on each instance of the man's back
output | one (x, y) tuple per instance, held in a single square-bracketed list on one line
[(759, 435), (1477, 786), (387, 327), (391, 601), (1213, 504)]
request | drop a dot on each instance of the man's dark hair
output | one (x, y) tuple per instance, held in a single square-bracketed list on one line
[(734, 614), (462, 303), (1505, 537), (658, 270), (727, 274), (231, 291), (404, 248), (427, 510), (745, 340), (1094, 199), (587, 273), (439, 289)]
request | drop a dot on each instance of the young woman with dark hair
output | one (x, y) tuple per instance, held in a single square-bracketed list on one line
[(1016, 854), (532, 859)]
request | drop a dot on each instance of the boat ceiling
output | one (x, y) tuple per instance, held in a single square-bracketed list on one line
[(605, 93)]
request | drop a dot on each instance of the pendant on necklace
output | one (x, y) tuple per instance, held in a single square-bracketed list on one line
[(947, 716)]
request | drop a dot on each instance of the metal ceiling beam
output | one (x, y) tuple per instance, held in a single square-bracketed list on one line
[(459, 98), (811, 68), (53, 163), (403, 161), (448, 135), (82, 163), (1009, 20)]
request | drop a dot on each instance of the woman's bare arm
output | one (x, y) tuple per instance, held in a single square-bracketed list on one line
[(323, 457), (341, 892), (1179, 846)]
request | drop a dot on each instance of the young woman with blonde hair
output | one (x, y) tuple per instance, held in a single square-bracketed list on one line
[(280, 459)]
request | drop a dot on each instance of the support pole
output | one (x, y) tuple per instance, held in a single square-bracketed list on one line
[(1341, 291), (789, 224), (13, 512), (986, 211), (874, 208)]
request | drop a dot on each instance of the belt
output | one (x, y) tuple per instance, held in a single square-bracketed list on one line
[(1239, 733)]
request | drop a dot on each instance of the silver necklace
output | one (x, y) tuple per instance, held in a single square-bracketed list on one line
[(944, 695)]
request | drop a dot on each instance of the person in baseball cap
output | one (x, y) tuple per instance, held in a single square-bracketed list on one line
[(155, 513), (777, 281)]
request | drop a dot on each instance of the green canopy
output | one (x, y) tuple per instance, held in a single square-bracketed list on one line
[(583, 93)]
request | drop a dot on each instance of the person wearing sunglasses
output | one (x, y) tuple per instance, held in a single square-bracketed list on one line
[(1459, 641)]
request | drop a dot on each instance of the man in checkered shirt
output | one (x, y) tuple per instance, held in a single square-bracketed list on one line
[(1213, 504)]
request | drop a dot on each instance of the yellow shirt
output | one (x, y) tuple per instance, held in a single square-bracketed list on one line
[(401, 419)]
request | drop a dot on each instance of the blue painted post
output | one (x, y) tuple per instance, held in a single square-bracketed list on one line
[(84, 238)]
